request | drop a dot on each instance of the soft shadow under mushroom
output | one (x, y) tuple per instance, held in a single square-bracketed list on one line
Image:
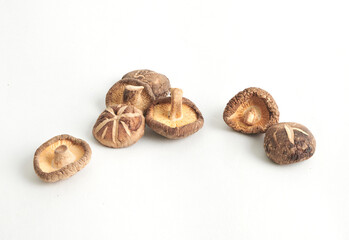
[(257, 147), (216, 121), (153, 136), (26, 167)]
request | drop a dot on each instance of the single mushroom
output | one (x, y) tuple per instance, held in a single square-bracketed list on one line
[(158, 82), (131, 92), (174, 117), (138, 88), (286, 143), (119, 126), (61, 157), (251, 111)]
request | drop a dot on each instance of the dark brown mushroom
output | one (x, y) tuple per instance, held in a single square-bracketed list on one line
[(158, 82), (119, 126), (138, 88), (61, 157), (251, 111), (174, 117), (286, 143)]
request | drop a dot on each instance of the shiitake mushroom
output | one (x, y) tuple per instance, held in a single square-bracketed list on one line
[(138, 88), (174, 117), (119, 126), (61, 157), (251, 111), (289, 142), (158, 82)]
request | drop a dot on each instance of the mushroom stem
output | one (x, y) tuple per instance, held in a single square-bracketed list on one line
[(62, 157), (132, 94), (251, 116), (176, 104)]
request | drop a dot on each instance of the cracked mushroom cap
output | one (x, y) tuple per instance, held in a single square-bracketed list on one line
[(158, 82), (251, 111), (61, 157), (286, 143), (119, 126), (174, 117)]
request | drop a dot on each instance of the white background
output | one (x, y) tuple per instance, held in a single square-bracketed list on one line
[(59, 58)]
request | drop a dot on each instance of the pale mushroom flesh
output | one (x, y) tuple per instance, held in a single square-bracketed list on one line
[(47, 156)]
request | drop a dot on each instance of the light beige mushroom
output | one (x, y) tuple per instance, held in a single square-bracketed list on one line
[(174, 117), (61, 157)]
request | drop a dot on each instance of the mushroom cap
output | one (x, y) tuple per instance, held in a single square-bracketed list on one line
[(158, 82), (157, 119), (286, 143), (251, 99), (44, 156), (119, 126), (116, 93)]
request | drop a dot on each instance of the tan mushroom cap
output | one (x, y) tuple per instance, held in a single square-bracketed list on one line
[(132, 92), (158, 82), (61, 157), (251, 111), (174, 117), (119, 126)]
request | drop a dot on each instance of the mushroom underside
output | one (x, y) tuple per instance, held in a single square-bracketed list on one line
[(46, 157), (255, 109), (162, 111), (158, 118), (116, 96)]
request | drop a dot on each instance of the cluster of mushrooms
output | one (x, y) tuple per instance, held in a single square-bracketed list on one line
[(140, 97), (254, 111)]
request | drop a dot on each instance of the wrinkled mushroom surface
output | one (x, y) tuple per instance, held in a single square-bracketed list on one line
[(128, 91), (158, 82), (61, 157), (251, 111), (286, 143), (174, 117), (119, 126)]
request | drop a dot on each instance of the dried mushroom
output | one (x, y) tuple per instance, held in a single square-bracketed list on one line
[(158, 82), (132, 92), (251, 111), (138, 88), (119, 126), (174, 117), (286, 143), (61, 157)]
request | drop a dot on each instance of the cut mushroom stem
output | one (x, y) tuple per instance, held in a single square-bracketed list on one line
[(62, 157), (132, 94), (251, 116), (176, 104)]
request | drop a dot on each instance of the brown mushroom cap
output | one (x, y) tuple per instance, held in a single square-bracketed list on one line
[(159, 115), (61, 157), (158, 82), (119, 126), (286, 143), (251, 111), (116, 94)]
